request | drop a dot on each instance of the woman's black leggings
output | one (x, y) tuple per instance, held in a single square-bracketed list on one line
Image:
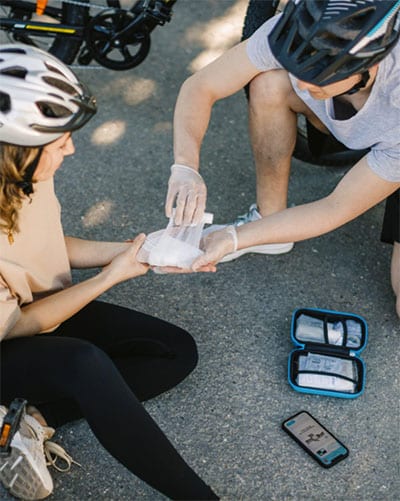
[(99, 365)]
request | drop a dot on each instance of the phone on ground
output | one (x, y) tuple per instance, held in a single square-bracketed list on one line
[(315, 439)]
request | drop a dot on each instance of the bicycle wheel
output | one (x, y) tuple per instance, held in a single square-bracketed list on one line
[(258, 11), (65, 48), (334, 153)]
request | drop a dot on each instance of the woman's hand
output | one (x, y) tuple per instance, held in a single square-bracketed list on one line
[(125, 265), (46, 313)]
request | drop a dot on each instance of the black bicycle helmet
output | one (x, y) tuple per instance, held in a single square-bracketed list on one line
[(40, 97), (324, 41)]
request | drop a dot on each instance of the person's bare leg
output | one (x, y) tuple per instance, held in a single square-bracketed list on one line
[(273, 108), (395, 274)]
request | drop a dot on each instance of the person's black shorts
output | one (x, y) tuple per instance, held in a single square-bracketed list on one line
[(391, 219)]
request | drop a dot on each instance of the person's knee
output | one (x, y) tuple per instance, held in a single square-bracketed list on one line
[(192, 354), (186, 351), (85, 359), (270, 89)]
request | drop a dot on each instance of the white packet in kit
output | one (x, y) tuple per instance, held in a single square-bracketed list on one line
[(175, 245), (322, 363), (325, 382), (311, 329)]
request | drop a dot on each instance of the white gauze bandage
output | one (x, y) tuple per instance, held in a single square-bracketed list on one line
[(176, 246)]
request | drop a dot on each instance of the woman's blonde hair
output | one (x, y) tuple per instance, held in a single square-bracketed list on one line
[(14, 161)]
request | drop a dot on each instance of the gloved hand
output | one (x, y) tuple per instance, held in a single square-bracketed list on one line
[(216, 245), (188, 188)]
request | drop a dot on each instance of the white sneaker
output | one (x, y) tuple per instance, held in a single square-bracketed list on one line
[(250, 216), (23, 471)]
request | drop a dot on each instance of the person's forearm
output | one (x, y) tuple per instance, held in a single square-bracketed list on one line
[(359, 190), (191, 119), (48, 312), (290, 225), (221, 78), (92, 254)]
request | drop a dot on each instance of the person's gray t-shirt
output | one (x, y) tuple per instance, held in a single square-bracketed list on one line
[(376, 125)]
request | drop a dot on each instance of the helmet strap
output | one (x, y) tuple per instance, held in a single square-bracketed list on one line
[(365, 76), (26, 183)]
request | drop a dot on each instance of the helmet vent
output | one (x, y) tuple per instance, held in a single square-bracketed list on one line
[(61, 85), (53, 68), (53, 110), (336, 8), (12, 50), (15, 71), (5, 102)]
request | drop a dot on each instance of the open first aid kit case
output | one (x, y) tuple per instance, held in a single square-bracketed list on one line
[(326, 358)]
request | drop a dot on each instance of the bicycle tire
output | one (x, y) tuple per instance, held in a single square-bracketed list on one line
[(259, 11), (336, 154)]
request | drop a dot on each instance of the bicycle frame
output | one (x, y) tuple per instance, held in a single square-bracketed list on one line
[(18, 26), (99, 34)]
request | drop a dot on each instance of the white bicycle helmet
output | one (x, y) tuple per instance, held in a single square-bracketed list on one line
[(40, 97)]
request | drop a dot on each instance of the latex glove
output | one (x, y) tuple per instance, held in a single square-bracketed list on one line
[(163, 270), (216, 245), (187, 187)]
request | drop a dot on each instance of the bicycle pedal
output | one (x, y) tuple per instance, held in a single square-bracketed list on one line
[(10, 424)]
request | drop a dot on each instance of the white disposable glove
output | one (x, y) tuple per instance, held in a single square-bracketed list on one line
[(187, 187), (216, 245)]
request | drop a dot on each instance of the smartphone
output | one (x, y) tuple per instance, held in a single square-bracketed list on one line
[(315, 439)]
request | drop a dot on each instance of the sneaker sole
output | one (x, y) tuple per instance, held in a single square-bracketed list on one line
[(259, 249), (18, 476)]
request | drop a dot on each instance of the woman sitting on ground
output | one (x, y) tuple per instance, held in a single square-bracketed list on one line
[(62, 350)]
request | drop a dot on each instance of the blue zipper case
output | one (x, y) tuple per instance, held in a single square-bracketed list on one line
[(326, 358)]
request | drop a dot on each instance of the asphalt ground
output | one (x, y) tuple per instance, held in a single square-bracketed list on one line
[(225, 417)]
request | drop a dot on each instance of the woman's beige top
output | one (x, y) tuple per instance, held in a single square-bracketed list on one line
[(36, 264)]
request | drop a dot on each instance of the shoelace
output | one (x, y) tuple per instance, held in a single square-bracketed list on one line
[(248, 217), (54, 452)]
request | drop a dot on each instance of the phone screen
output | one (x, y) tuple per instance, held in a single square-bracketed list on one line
[(315, 439)]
